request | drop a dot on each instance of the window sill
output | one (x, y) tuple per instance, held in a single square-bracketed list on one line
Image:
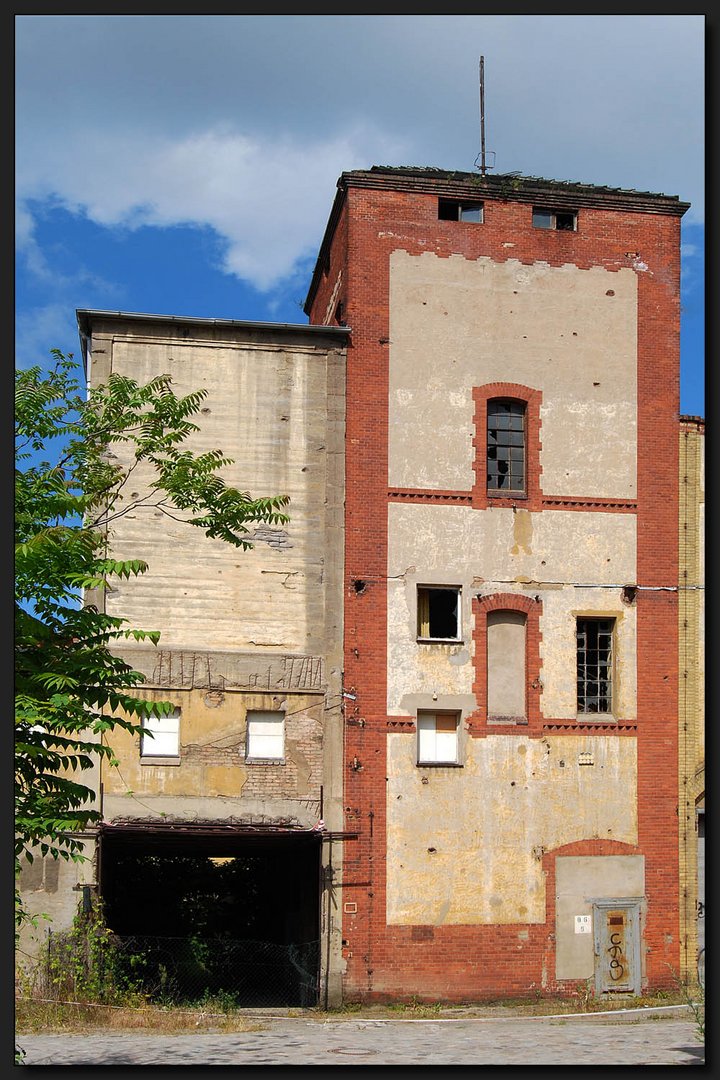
[(506, 494), (439, 641), (596, 718), (149, 759), (439, 765), (265, 761), (507, 721)]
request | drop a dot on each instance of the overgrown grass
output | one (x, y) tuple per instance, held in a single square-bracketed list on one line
[(33, 1016)]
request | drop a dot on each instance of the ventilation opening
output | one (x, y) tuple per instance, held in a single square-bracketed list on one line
[(359, 585)]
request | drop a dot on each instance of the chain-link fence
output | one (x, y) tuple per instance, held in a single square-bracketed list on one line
[(184, 970)]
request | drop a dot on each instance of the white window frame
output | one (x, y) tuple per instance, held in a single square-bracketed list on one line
[(165, 743), (428, 638), (267, 741), (437, 747)]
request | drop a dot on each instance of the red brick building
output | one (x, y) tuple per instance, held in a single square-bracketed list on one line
[(511, 567)]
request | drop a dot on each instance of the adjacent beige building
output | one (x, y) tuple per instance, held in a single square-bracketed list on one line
[(250, 650), (691, 803)]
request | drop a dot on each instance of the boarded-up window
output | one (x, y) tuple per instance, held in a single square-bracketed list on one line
[(438, 609), (265, 736), (506, 632), (161, 736), (438, 738)]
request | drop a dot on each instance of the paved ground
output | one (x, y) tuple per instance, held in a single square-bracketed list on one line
[(644, 1037)]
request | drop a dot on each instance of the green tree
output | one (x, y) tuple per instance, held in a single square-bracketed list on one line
[(70, 690)]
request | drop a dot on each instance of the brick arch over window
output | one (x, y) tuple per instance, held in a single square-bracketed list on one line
[(478, 723), (531, 499)]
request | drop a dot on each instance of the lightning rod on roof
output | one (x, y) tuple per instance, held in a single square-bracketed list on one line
[(481, 156)]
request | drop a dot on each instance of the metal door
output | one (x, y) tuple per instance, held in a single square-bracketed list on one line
[(617, 946)]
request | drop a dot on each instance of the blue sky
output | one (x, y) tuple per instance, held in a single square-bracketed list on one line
[(186, 165)]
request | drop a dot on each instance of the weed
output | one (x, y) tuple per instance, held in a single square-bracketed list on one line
[(696, 1001)]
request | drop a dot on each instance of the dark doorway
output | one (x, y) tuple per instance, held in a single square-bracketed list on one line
[(197, 914)]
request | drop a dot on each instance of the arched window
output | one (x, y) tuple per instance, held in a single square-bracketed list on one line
[(506, 446)]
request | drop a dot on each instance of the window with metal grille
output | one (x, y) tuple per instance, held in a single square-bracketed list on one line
[(594, 665), (506, 446)]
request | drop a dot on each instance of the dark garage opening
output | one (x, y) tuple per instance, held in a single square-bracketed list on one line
[(200, 913)]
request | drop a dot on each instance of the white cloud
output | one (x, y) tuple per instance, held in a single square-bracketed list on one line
[(267, 199)]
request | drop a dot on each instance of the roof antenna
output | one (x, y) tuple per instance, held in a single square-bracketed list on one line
[(481, 156)]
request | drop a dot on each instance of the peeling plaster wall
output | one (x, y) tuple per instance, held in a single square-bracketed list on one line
[(457, 323), (479, 551), (464, 845), (50, 887), (212, 773)]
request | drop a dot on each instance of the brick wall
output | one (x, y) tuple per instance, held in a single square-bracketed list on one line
[(458, 963)]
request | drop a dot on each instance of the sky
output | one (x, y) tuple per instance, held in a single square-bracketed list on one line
[(187, 164)]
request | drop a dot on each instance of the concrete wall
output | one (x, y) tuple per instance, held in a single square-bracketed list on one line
[(258, 629), (277, 409)]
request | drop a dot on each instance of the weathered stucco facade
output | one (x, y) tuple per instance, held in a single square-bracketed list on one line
[(509, 829)]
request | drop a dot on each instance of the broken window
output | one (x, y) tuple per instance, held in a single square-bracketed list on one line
[(594, 665), (161, 736), (506, 446), (438, 738), (506, 666), (453, 210), (438, 613), (265, 736), (563, 220)]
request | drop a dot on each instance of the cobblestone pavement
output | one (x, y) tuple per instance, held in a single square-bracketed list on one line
[(644, 1037)]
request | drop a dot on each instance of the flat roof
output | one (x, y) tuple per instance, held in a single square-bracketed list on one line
[(86, 315), (513, 186)]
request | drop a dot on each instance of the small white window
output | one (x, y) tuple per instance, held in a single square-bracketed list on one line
[(163, 736), (438, 738), (438, 613), (265, 736)]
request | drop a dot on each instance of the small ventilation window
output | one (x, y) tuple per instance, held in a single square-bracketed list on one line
[(453, 210), (561, 220)]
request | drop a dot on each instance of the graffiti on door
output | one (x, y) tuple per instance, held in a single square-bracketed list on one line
[(617, 947)]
